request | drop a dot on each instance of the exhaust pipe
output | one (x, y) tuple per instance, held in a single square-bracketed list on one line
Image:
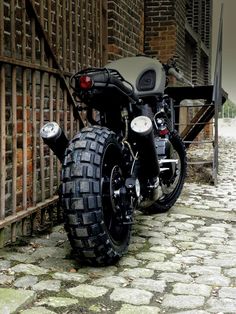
[(143, 129), (55, 138)]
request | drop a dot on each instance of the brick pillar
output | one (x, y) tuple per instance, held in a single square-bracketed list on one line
[(160, 29), (125, 28)]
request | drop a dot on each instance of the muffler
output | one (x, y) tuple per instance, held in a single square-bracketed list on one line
[(143, 129), (55, 138)]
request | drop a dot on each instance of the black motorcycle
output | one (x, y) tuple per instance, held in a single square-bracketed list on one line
[(129, 157)]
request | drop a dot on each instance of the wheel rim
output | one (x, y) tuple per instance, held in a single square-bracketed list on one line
[(168, 189), (112, 182)]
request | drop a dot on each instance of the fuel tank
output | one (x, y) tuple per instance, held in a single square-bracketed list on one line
[(147, 75)]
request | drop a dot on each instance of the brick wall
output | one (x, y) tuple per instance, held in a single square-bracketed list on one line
[(166, 34), (125, 28), (160, 29)]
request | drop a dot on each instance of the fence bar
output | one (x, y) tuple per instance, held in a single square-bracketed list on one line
[(1, 28), (86, 43), (34, 134), (64, 35), (58, 122), (65, 115), (76, 38), (13, 232), (34, 119), (70, 37), (93, 33), (13, 29), (97, 35), (23, 35), (51, 179), (24, 181), (14, 139), (2, 237), (104, 31), (81, 34), (71, 122), (33, 48), (51, 172), (42, 47), (41, 148), (50, 21), (24, 227), (2, 141), (24, 111)]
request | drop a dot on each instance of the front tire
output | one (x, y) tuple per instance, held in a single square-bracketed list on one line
[(93, 177)]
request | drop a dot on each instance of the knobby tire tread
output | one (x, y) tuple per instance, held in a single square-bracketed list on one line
[(81, 199)]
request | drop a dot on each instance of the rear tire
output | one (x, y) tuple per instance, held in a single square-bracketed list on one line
[(168, 200), (92, 177)]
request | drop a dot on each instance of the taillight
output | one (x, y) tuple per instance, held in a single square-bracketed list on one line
[(85, 82), (163, 131)]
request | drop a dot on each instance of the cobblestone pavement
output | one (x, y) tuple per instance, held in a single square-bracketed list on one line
[(181, 262)]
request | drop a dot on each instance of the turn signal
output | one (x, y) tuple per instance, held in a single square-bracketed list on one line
[(85, 82)]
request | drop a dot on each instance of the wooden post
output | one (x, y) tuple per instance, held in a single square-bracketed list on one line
[(24, 187), (42, 162), (76, 38), (34, 118), (58, 122), (104, 30), (1, 28), (70, 37), (13, 232), (86, 42), (14, 139), (64, 36), (2, 237), (81, 34), (2, 141)]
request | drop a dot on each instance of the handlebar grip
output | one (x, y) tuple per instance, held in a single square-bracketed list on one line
[(179, 76), (176, 74)]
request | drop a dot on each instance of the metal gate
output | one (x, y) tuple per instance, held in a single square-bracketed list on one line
[(41, 44)]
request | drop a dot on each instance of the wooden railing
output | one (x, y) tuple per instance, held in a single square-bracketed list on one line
[(41, 44)]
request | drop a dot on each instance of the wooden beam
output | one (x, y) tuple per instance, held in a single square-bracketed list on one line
[(25, 213), (2, 140)]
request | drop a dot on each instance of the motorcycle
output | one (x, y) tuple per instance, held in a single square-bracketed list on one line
[(128, 158)]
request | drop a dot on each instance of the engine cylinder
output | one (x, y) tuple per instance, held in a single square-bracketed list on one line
[(55, 138), (143, 129)]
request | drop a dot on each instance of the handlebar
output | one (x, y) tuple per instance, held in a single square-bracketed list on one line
[(179, 76)]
